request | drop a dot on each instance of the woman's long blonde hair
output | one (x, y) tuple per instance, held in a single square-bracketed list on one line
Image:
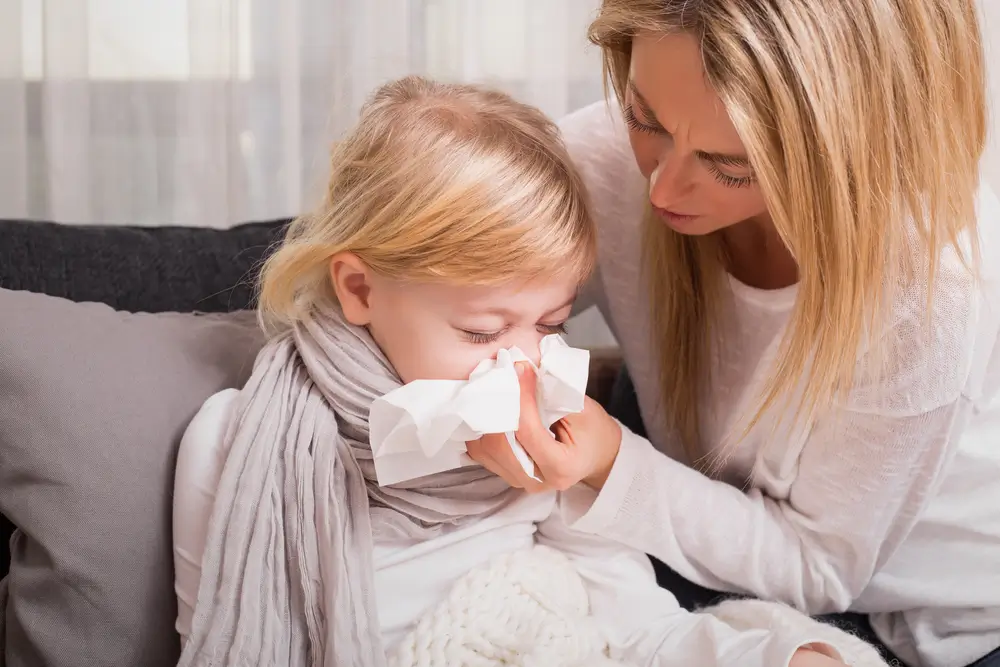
[(438, 182), (864, 121)]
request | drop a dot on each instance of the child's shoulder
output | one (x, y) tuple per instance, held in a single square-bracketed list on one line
[(205, 436), (217, 407)]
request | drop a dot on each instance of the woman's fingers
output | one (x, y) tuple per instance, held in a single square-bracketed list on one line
[(584, 447), (479, 451), (493, 453), (562, 432), (536, 439), (552, 466)]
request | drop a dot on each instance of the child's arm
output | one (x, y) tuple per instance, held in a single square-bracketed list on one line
[(200, 460), (645, 625)]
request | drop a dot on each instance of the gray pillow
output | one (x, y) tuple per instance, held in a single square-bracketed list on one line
[(93, 403)]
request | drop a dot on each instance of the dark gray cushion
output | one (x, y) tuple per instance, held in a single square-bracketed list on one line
[(138, 269), (93, 403)]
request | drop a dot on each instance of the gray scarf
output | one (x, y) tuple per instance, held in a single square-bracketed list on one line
[(287, 574)]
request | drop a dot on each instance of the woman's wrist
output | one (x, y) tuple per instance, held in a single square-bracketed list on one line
[(597, 479), (808, 657)]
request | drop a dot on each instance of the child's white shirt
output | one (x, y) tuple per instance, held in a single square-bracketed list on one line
[(643, 624)]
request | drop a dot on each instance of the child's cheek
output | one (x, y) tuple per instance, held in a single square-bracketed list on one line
[(471, 357)]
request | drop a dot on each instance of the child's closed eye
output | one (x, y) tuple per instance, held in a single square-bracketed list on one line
[(488, 337), (482, 337), (549, 329)]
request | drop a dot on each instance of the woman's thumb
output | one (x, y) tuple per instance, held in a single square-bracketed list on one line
[(531, 422)]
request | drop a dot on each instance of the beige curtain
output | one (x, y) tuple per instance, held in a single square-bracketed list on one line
[(213, 112)]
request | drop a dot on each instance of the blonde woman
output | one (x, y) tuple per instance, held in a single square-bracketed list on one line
[(800, 262)]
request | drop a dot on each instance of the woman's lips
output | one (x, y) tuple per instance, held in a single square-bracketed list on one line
[(673, 217)]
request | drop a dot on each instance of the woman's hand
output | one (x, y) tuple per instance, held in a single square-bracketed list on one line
[(806, 657), (584, 447)]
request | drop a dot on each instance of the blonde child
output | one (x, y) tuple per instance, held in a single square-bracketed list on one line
[(454, 226)]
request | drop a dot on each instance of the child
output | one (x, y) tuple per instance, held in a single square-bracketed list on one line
[(454, 226)]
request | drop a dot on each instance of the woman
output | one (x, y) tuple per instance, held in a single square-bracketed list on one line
[(790, 221)]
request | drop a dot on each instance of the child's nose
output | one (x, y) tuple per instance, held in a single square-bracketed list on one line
[(528, 343)]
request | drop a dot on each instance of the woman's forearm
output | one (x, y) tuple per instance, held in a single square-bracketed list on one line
[(709, 532), (805, 657)]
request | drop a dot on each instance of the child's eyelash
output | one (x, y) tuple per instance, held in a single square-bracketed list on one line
[(552, 328), (487, 337), (482, 338)]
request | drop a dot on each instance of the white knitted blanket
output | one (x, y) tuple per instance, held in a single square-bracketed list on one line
[(530, 609), (525, 609)]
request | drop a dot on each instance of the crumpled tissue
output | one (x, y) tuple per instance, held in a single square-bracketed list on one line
[(421, 428)]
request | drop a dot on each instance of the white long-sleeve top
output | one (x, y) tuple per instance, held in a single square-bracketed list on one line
[(890, 506), (643, 624)]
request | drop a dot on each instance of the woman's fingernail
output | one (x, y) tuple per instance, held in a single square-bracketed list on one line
[(519, 367)]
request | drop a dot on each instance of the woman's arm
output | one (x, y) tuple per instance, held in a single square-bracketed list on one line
[(644, 625), (847, 492), (862, 480), (829, 506), (200, 460)]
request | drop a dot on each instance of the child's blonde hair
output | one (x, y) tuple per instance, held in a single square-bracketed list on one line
[(438, 182)]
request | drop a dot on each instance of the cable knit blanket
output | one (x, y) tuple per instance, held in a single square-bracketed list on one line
[(530, 609)]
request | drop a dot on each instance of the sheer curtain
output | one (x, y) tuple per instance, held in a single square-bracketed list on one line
[(214, 112)]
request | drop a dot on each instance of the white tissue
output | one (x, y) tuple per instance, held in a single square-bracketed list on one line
[(422, 427)]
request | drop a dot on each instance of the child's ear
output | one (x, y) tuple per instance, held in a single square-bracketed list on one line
[(351, 279)]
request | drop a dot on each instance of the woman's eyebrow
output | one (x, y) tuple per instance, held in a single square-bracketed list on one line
[(729, 159)]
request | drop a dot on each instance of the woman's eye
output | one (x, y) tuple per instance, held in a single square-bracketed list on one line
[(635, 124), (550, 329), (482, 337), (717, 165), (728, 180)]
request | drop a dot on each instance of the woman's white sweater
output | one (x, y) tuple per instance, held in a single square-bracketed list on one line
[(891, 506)]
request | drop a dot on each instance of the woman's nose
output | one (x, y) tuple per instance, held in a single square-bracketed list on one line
[(669, 182)]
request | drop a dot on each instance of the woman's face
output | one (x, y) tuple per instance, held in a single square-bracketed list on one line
[(700, 180)]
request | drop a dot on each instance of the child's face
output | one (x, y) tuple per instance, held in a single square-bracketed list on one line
[(441, 332)]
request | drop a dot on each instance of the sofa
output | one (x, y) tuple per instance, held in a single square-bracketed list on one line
[(111, 339)]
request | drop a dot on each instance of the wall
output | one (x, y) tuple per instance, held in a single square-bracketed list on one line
[(991, 31)]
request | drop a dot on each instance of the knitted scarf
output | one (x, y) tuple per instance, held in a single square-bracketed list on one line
[(287, 574)]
